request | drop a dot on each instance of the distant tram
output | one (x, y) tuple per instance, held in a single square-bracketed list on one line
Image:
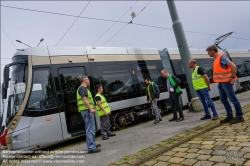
[(40, 94)]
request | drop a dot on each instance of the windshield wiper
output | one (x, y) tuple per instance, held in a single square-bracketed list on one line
[(14, 99), (24, 73)]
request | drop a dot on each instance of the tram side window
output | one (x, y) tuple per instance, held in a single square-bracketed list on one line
[(69, 79), (241, 66), (179, 72), (155, 77), (41, 91), (247, 66), (117, 82)]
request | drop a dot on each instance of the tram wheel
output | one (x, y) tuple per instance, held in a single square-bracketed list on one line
[(120, 121)]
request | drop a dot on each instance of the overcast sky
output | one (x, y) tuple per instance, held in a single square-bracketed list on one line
[(210, 17)]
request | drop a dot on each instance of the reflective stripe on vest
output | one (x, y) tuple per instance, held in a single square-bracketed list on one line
[(172, 82), (198, 81), (220, 74), (80, 104), (104, 105)]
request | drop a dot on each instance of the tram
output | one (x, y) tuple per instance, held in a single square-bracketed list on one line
[(40, 91)]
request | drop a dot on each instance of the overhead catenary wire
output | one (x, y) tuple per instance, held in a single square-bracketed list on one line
[(113, 24), (115, 34), (73, 22), (61, 14), (125, 25), (143, 8), (122, 22), (8, 36)]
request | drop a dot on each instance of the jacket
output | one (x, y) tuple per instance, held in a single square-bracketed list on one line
[(155, 93)]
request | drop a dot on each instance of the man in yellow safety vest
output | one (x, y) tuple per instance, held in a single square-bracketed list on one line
[(86, 107), (103, 112), (201, 85)]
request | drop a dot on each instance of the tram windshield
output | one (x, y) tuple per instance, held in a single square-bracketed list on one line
[(17, 90)]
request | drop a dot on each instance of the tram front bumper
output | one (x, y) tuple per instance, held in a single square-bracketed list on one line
[(18, 139)]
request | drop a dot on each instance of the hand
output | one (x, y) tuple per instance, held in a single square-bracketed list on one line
[(92, 111), (155, 99), (171, 89), (209, 88), (232, 81), (105, 113)]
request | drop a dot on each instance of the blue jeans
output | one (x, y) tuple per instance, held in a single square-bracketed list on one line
[(205, 99), (89, 120), (156, 109), (226, 91)]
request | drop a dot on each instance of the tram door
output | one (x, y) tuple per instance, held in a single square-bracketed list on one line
[(41, 111), (69, 83)]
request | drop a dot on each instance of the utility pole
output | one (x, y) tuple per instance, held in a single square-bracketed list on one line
[(184, 52)]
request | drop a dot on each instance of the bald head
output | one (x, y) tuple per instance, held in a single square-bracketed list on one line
[(192, 63), (164, 73)]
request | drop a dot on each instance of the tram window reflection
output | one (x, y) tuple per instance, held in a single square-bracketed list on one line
[(117, 82), (41, 91), (155, 77)]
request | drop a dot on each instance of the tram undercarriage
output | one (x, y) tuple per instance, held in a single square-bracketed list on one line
[(121, 118)]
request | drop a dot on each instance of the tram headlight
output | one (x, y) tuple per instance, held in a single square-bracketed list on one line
[(12, 126)]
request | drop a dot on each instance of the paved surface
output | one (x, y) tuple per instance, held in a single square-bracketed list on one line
[(133, 139), (225, 145)]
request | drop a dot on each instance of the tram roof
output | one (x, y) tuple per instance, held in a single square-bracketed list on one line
[(59, 51), (67, 51), (203, 51)]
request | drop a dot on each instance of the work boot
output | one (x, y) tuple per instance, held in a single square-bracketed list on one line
[(215, 117), (226, 120), (205, 117), (98, 145), (180, 119), (156, 121), (237, 120), (105, 138), (95, 150), (111, 135), (173, 119)]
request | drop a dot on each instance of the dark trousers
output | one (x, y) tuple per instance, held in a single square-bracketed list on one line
[(105, 126), (175, 105)]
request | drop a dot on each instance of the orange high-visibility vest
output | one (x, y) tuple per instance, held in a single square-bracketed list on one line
[(220, 74)]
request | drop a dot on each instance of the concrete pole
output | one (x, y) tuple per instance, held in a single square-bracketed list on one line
[(184, 52)]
